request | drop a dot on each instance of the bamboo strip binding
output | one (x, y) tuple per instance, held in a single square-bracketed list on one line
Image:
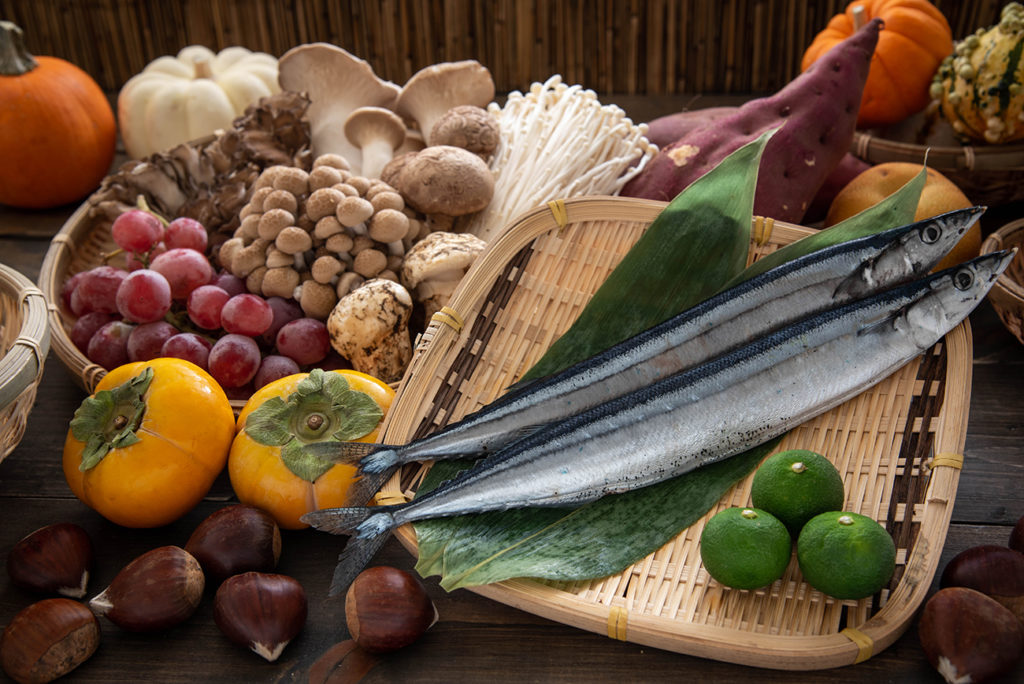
[(527, 287)]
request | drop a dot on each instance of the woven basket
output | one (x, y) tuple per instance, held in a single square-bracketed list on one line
[(987, 175), (25, 338), (1007, 295), (889, 444)]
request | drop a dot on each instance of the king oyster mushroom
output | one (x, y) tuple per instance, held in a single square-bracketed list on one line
[(435, 89), (337, 83), (369, 326), (378, 132)]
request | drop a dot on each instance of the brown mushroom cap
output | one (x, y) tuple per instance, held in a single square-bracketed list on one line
[(377, 132), (435, 89), (336, 82), (446, 180), (469, 127)]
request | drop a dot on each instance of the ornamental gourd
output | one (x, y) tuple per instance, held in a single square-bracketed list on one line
[(980, 87), (177, 99), (271, 466), (57, 129), (915, 39)]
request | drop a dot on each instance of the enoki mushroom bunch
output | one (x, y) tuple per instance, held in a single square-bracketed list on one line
[(557, 141)]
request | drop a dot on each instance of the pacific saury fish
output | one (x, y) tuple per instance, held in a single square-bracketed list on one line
[(704, 414), (800, 287)]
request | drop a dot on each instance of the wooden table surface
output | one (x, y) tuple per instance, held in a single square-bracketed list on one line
[(475, 639)]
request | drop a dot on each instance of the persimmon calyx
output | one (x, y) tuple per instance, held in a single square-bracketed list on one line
[(323, 408), (108, 419)]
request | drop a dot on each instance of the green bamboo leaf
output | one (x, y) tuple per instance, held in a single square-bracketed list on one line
[(697, 243)]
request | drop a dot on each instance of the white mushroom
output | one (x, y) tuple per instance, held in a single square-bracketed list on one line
[(434, 266), (377, 132), (435, 89), (369, 327), (336, 82)]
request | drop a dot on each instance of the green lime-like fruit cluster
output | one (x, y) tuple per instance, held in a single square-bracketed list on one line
[(745, 548), (845, 555), (795, 486)]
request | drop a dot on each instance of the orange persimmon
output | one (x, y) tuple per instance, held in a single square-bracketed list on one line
[(269, 466), (145, 448)]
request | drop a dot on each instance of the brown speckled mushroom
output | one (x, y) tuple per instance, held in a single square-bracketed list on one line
[(377, 132), (336, 82), (444, 182), (434, 266), (435, 89), (469, 127), (369, 326)]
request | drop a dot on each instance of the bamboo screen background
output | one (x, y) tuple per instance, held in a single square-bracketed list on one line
[(634, 47)]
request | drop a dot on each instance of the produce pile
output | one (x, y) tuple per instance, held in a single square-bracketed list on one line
[(288, 245)]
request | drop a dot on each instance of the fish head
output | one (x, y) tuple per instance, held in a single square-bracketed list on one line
[(909, 251), (953, 295)]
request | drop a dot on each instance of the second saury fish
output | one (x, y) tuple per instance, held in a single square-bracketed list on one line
[(799, 287), (705, 414)]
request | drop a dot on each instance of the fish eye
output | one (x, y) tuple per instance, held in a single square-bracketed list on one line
[(930, 234), (963, 279)]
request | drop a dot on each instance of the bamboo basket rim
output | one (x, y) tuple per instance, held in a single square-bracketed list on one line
[(1011, 234), (967, 158), (24, 355), (616, 614)]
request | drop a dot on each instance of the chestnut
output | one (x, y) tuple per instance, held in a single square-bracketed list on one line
[(387, 608), (235, 539), (159, 589), (55, 559), (969, 637), (262, 611), (997, 571), (48, 639)]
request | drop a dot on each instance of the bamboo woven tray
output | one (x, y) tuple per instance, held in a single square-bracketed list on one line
[(24, 343), (888, 443)]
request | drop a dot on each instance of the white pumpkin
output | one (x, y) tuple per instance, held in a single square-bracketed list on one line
[(177, 99)]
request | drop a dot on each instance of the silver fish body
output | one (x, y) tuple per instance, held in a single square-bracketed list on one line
[(705, 414), (779, 296)]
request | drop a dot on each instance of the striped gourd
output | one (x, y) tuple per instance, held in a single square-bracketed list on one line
[(980, 87)]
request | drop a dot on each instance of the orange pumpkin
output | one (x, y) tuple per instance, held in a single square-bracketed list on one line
[(57, 128), (915, 39)]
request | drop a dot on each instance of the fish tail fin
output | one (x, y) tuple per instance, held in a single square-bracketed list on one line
[(368, 527), (367, 485), (381, 460), (347, 453)]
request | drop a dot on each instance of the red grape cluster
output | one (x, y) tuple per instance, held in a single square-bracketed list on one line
[(169, 301)]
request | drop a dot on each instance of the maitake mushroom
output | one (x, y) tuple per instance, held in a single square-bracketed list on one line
[(370, 327), (435, 265), (316, 236)]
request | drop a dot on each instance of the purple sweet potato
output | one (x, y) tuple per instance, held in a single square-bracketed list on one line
[(818, 114), (850, 166), (665, 130)]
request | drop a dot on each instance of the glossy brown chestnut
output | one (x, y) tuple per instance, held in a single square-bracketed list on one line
[(965, 634), (991, 569), (55, 559), (159, 589), (48, 639), (235, 539), (261, 611), (387, 608)]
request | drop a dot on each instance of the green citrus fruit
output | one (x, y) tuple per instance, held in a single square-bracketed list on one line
[(795, 486), (745, 548), (845, 555)]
